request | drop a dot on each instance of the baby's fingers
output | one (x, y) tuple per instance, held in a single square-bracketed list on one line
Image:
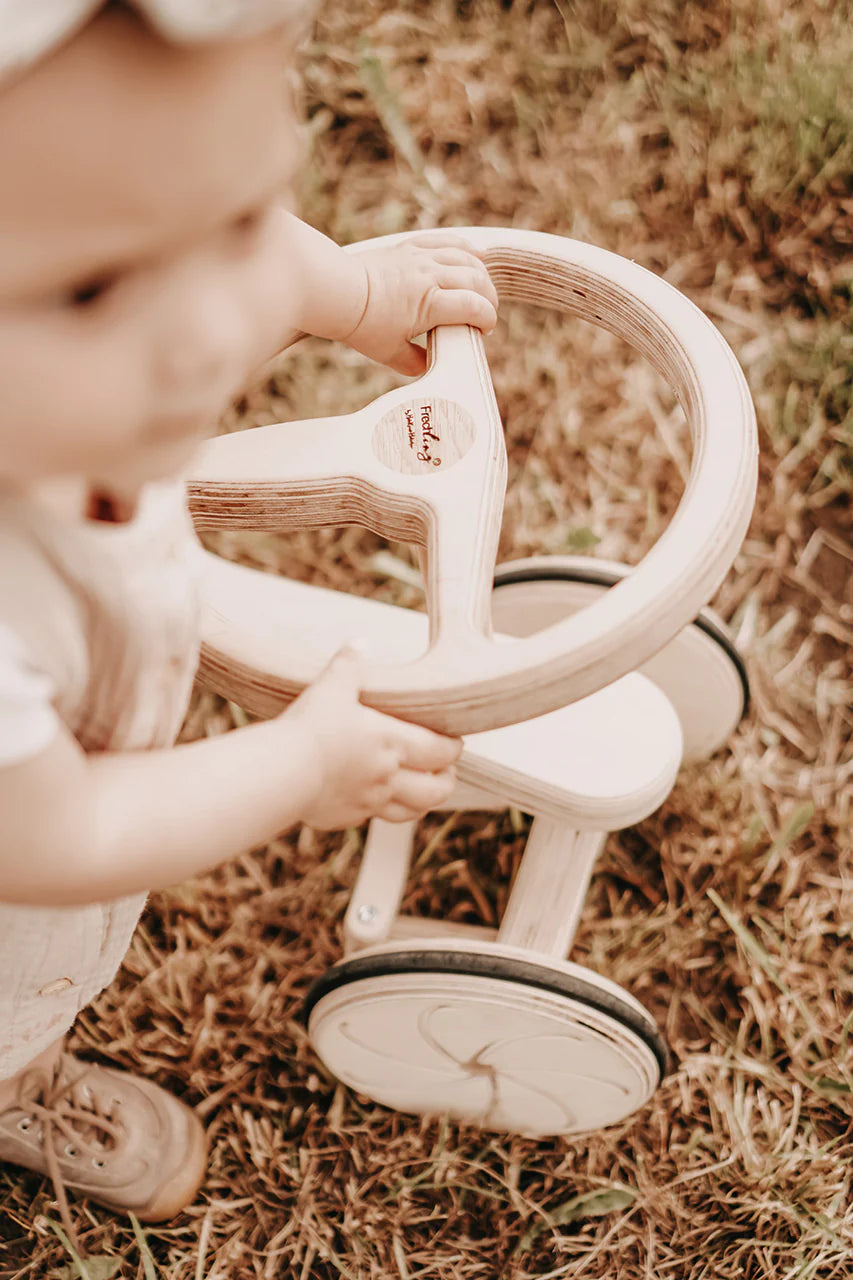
[(419, 748), (394, 812), (440, 239), (342, 674), (455, 269), (447, 304), (419, 792)]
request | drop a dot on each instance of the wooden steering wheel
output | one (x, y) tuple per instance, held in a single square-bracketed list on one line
[(426, 463)]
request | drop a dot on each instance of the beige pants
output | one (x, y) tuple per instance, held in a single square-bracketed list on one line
[(54, 961)]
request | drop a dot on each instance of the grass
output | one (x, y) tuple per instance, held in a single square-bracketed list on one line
[(711, 143), (812, 379)]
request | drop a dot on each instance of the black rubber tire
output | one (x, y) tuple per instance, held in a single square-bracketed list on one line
[(489, 965)]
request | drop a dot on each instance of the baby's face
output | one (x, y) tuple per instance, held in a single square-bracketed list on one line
[(143, 251)]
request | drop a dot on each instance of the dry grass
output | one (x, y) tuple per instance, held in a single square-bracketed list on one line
[(712, 143)]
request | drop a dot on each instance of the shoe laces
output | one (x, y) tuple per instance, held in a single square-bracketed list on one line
[(73, 1119)]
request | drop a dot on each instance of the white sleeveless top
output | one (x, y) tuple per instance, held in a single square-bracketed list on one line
[(107, 616)]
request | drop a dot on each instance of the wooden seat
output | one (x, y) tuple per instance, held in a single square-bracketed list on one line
[(602, 763)]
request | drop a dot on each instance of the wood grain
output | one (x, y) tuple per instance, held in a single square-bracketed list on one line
[(328, 471)]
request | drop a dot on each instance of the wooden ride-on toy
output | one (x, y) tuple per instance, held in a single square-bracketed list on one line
[(581, 701)]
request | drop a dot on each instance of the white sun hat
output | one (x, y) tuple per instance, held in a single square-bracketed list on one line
[(30, 29)]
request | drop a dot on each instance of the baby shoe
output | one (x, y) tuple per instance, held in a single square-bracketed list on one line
[(106, 1134)]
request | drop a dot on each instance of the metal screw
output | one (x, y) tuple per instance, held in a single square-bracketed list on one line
[(366, 913)]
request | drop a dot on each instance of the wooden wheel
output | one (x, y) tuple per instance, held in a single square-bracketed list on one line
[(486, 1034), (700, 670), (426, 464)]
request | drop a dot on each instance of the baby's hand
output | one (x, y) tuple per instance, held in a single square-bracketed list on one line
[(365, 764), (412, 287)]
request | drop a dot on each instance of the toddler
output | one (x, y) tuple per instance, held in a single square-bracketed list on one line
[(147, 263)]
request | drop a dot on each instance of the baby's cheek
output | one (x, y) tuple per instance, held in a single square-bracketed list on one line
[(64, 402), (39, 400)]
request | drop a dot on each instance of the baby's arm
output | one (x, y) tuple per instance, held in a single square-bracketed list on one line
[(77, 828), (378, 300)]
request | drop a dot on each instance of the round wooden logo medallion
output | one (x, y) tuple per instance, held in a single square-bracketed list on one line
[(422, 437)]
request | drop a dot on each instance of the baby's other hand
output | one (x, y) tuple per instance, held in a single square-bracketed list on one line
[(432, 279), (364, 764)]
